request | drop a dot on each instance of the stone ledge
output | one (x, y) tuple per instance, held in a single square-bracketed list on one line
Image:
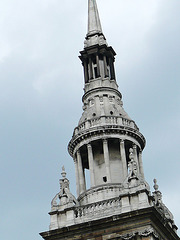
[(121, 224)]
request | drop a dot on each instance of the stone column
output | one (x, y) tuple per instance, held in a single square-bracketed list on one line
[(90, 68), (112, 69), (135, 156), (123, 158), (82, 184), (86, 71), (97, 63), (106, 159), (91, 164), (77, 175), (105, 66), (141, 164)]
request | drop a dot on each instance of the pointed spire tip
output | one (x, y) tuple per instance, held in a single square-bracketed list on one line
[(94, 35)]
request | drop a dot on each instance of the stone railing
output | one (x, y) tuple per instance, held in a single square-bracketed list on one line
[(95, 210), (103, 121)]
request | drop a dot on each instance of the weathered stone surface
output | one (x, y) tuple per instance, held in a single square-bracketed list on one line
[(140, 224)]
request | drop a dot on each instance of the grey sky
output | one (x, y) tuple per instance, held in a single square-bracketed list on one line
[(41, 85)]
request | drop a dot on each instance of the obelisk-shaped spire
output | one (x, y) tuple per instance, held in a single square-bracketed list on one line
[(94, 24), (94, 35)]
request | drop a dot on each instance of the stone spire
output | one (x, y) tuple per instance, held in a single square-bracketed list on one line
[(94, 35), (105, 134), (94, 24)]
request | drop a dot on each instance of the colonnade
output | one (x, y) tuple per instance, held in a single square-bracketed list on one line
[(79, 170), (88, 67)]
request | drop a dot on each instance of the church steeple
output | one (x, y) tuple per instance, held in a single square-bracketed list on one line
[(108, 145), (106, 142)]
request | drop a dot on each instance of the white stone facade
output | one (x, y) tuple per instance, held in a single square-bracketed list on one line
[(107, 143)]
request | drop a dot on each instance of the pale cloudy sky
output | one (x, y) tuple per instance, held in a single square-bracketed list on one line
[(41, 85)]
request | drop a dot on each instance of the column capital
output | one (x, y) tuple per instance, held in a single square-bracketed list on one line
[(89, 145), (105, 140), (75, 159), (134, 146)]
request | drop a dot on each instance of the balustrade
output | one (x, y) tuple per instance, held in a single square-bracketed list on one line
[(104, 208), (105, 120)]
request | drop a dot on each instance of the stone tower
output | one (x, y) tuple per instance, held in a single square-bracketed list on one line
[(108, 144)]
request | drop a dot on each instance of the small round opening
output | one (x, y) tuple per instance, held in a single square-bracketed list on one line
[(94, 114), (111, 112)]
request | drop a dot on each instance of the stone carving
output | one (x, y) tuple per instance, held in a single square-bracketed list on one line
[(134, 178), (103, 208), (85, 43), (128, 236), (160, 205), (96, 39), (111, 99), (101, 99), (149, 231), (65, 196), (85, 105), (102, 40), (145, 233), (132, 166), (91, 101)]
